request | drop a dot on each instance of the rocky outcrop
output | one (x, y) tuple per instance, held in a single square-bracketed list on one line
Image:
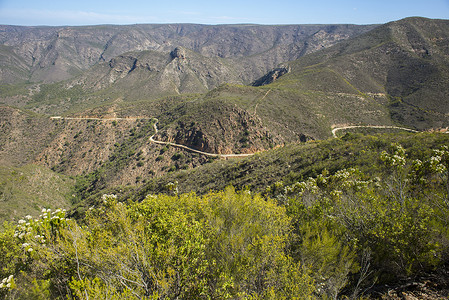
[(123, 64), (225, 130), (271, 76), (178, 52)]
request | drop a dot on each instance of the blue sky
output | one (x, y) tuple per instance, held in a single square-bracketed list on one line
[(90, 12)]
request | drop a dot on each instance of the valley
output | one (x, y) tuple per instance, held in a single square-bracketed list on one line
[(196, 101), (336, 134)]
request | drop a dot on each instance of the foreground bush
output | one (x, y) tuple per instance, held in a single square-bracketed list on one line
[(222, 245), (327, 237)]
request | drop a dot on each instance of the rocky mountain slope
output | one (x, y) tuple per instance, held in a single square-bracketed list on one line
[(153, 74), (403, 63), (55, 53), (395, 74)]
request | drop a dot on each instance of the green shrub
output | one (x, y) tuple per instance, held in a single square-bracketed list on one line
[(221, 245)]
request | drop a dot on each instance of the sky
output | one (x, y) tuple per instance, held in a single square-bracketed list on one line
[(93, 12)]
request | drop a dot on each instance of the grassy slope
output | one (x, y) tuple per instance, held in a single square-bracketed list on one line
[(27, 189), (294, 162), (401, 65)]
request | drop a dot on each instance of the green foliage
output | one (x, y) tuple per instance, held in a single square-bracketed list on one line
[(12, 259), (8, 90), (395, 217), (51, 94), (328, 258), (177, 156), (328, 236), (222, 245)]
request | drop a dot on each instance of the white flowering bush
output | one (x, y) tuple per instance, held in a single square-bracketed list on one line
[(299, 188), (342, 180), (7, 283), (27, 248), (440, 160), (172, 187), (33, 233), (108, 198), (396, 159)]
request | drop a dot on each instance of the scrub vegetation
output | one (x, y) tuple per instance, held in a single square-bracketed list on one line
[(332, 235)]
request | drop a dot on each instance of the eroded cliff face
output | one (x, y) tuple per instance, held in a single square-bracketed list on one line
[(271, 76), (228, 130)]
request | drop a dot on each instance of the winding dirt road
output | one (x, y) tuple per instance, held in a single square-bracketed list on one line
[(194, 150), (334, 131), (155, 132), (97, 119)]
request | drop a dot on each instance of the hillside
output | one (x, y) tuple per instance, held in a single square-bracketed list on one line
[(23, 134), (25, 190), (403, 65), (225, 162), (376, 78), (295, 162), (298, 225)]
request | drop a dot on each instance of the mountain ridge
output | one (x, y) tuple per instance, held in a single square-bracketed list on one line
[(394, 61), (52, 48)]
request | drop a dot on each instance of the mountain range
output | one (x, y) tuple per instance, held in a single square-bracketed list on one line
[(224, 89), (52, 54)]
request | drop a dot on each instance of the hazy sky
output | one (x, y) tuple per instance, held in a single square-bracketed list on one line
[(84, 12)]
